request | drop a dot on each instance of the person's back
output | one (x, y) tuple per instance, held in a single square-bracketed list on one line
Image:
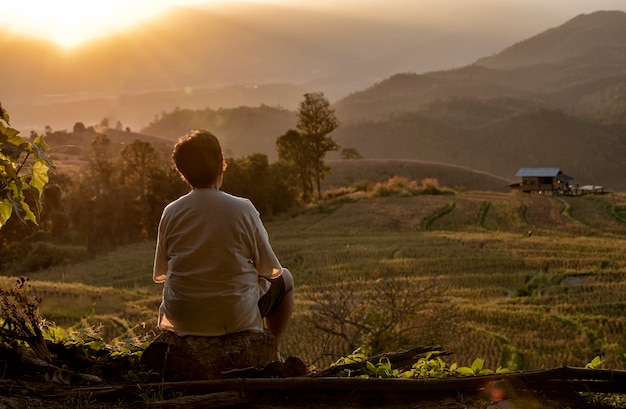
[(214, 257)]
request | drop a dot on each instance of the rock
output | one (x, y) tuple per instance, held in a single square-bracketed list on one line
[(193, 357)]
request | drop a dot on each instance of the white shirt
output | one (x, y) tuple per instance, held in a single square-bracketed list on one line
[(211, 254)]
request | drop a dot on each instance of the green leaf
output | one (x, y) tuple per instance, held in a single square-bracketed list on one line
[(6, 209), (12, 136), (4, 115), (477, 365), (40, 148), (39, 172), (9, 169), (595, 362), (28, 214), (465, 371)]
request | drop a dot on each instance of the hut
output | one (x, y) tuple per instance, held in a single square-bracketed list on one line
[(543, 181)]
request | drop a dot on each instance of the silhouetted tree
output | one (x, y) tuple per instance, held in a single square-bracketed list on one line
[(294, 150), (140, 166), (305, 147), (99, 208), (283, 187), (350, 153), (316, 120), (104, 124), (79, 127)]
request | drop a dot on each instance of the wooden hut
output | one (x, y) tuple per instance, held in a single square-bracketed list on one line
[(543, 181)]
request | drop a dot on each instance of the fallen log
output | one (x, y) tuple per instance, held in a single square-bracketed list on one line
[(565, 380)]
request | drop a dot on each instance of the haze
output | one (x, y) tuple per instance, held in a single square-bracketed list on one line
[(334, 46), (72, 22)]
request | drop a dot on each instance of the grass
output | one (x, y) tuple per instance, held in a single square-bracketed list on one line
[(571, 271)]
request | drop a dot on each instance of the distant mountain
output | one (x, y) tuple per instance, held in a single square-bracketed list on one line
[(242, 131), (138, 111), (214, 56), (577, 37), (569, 112), (539, 69), (557, 99)]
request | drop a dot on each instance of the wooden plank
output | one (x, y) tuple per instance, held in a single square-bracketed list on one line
[(564, 380)]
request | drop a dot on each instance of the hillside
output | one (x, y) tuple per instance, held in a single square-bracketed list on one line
[(576, 37), (348, 172), (591, 153), (70, 150), (521, 300), (513, 72), (509, 110)]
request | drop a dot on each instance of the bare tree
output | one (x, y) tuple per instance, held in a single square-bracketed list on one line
[(384, 314)]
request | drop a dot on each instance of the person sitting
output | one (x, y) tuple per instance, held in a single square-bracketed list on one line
[(220, 273)]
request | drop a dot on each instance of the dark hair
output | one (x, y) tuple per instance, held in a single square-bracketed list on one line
[(198, 158)]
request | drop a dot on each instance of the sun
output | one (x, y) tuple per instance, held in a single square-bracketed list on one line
[(72, 22)]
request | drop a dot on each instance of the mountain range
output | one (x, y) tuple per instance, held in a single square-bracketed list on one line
[(557, 99), (554, 99), (229, 54)]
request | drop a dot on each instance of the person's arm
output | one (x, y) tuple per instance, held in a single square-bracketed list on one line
[(266, 262), (159, 271)]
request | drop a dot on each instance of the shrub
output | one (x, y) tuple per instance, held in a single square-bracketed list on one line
[(42, 255)]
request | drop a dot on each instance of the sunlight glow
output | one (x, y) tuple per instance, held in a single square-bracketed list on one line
[(71, 22)]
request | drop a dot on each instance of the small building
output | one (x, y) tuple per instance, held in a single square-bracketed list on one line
[(543, 181)]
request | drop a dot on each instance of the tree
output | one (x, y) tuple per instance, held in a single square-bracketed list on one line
[(316, 120), (293, 149), (79, 127), (385, 314), (249, 177), (268, 186), (101, 166), (350, 153), (99, 207), (24, 170), (140, 166)]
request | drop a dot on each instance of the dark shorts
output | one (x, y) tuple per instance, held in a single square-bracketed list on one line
[(272, 297)]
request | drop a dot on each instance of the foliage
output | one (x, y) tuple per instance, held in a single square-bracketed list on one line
[(293, 150), (595, 363), (401, 186), (271, 187), (24, 170), (350, 154), (430, 366), (21, 320), (306, 147), (41, 255), (386, 316), (394, 186), (118, 198), (316, 120)]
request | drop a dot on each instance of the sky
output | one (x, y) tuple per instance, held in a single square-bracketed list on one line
[(71, 22)]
